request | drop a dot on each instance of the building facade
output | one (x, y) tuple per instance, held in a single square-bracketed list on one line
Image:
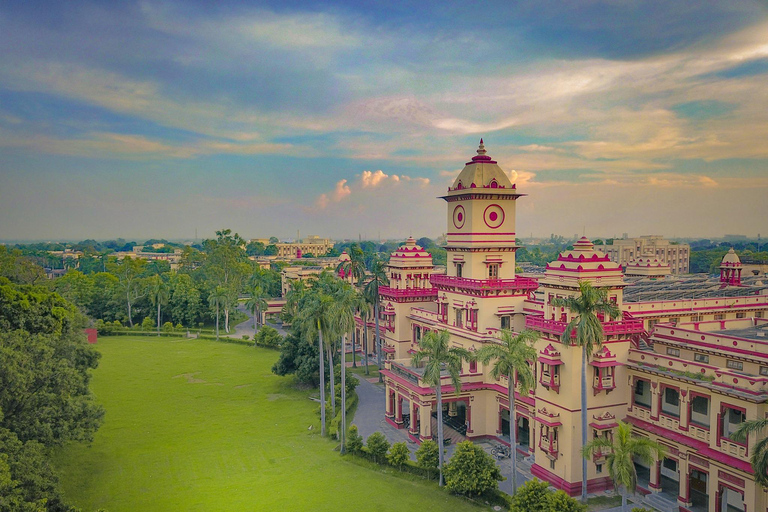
[(480, 294), (625, 251)]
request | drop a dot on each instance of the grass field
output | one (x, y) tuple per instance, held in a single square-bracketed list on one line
[(195, 425)]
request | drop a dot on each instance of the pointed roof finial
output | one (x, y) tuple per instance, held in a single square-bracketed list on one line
[(481, 148)]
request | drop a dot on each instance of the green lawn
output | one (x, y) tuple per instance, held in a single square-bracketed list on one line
[(200, 425)]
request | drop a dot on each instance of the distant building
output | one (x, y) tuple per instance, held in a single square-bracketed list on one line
[(677, 256), (138, 252), (313, 244)]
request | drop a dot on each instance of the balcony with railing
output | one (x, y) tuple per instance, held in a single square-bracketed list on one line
[(611, 328), (548, 444), (409, 293), (519, 283)]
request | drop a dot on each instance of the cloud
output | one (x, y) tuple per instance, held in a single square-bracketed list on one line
[(340, 192)]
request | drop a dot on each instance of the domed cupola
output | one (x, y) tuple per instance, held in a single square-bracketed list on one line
[(730, 269), (482, 172)]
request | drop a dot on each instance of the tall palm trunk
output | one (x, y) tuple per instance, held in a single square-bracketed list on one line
[(378, 336), (623, 499), (512, 431), (226, 318), (584, 421), (439, 394), (217, 321), (322, 384), (354, 362), (343, 384), (254, 319), (333, 388), (365, 348), (158, 317)]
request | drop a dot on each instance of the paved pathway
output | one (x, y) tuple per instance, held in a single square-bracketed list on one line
[(246, 327)]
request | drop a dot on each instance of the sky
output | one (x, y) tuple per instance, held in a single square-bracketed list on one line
[(343, 119)]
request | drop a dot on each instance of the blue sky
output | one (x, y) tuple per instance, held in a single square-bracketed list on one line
[(156, 119)]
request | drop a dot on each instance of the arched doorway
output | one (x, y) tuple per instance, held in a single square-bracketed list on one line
[(523, 433)]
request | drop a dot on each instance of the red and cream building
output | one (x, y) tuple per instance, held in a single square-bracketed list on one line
[(480, 294)]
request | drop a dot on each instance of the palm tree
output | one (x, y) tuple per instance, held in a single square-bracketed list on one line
[(347, 300), (620, 454), (292, 298), (759, 457), (434, 348), (217, 297), (365, 312), (256, 303), (512, 356), (314, 317), (355, 267), (589, 336), (378, 279), (158, 294)]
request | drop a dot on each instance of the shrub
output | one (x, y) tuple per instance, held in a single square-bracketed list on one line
[(561, 502), (377, 446), (354, 440), (179, 327), (532, 496), (428, 455), (147, 324), (268, 337), (168, 327), (398, 455), (471, 471), (641, 509)]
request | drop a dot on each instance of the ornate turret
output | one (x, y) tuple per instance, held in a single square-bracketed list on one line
[(730, 269)]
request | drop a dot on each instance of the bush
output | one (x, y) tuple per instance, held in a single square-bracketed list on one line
[(641, 509), (532, 496), (179, 327), (428, 455), (536, 496), (398, 455), (354, 440), (168, 327), (559, 501), (268, 337), (377, 446), (147, 324), (471, 471)]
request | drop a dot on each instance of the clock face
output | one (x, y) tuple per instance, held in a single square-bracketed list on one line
[(493, 216), (459, 217)]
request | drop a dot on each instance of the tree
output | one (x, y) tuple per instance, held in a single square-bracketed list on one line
[(217, 297), (471, 471), (365, 313), (268, 337), (759, 456), (512, 356), (622, 451), (378, 446), (354, 440), (314, 317), (346, 301), (377, 280), (128, 273), (355, 266), (589, 336), (256, 303), (184, 299), (225, 265), (398, 455), (439, 356), (428, 456), (158, 294)]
